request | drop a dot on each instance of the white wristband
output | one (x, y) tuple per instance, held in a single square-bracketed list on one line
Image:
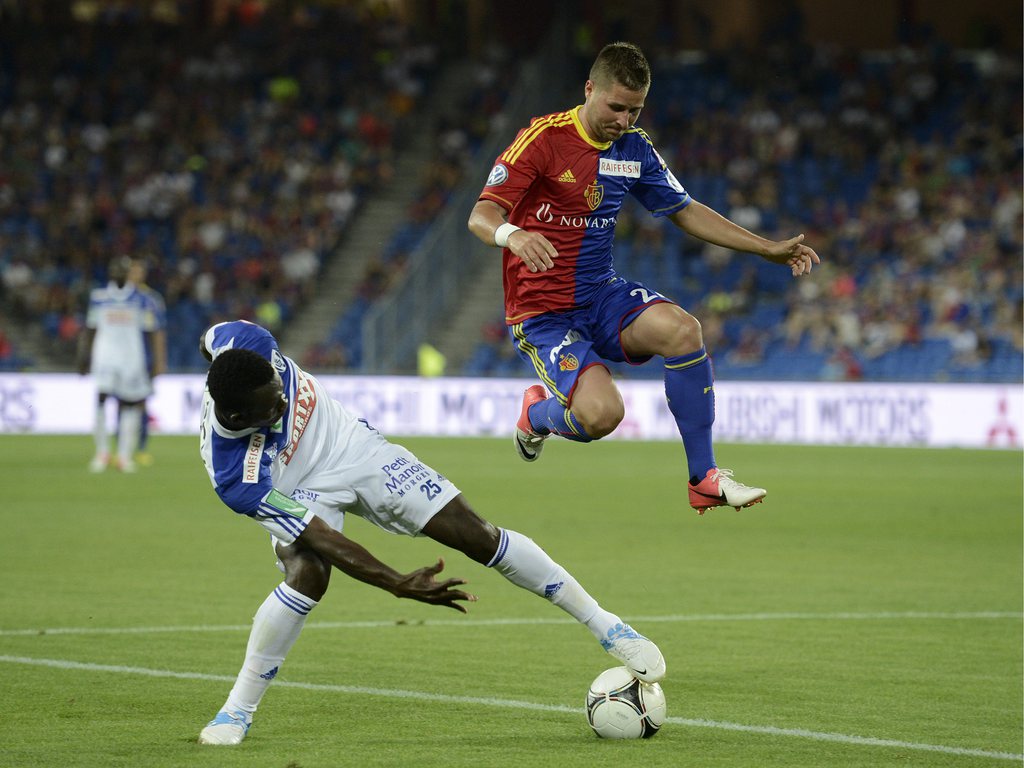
[(501, 234)]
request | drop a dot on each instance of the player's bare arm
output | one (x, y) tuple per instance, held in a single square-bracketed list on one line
[(85, 342), (706, 224), (355, 561), (159, 364), (533, 248)]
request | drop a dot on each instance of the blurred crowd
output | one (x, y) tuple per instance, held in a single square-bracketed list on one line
[(903, 169), (457, 140), (231, 157)]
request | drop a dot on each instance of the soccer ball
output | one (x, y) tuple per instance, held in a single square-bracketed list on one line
[(621, 707)]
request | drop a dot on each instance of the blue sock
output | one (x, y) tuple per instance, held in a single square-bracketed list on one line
[(549, 416), (689, 387)]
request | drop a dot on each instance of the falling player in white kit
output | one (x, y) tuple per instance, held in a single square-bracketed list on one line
[(113, 348), (280, 451)]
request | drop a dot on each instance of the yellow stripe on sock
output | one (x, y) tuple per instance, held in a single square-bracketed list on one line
[(681, 366), (570, 425)]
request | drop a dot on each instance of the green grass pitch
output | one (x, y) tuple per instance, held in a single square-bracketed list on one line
[(867, 614)]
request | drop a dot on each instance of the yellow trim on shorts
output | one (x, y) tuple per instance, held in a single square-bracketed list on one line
[(538, 364)]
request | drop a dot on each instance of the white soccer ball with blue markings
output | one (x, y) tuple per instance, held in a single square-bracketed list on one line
[(621, 707)]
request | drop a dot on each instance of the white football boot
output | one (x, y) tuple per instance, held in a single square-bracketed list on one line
[(227, 728), (641, 657), (718, 489)]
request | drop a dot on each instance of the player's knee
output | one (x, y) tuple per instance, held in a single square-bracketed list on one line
[(685, 335), (600, 418), (307, 573)]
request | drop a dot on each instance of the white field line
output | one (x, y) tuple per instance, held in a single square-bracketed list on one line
[(393, 693), (707, 617)]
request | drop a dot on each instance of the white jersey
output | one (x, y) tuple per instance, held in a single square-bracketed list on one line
[(318, 459), (120, 317)]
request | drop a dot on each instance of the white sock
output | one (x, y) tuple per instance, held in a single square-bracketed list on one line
[(275, 628), (99, 430), (526, 565), (128, 432)]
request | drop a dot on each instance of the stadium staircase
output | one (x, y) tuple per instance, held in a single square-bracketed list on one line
[(481, 303), (376, 219), (452, 285), (33, 350)]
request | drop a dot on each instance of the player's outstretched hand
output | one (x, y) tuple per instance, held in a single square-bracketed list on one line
[(421, 585), (794, 254)]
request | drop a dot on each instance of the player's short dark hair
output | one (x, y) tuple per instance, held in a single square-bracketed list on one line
[(622, 63), (234, 375)]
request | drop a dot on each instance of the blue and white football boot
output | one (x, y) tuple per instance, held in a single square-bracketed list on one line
[(641, 657), (227, 728)]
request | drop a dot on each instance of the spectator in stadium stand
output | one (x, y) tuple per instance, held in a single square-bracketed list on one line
[(551, 203), (280, 451)]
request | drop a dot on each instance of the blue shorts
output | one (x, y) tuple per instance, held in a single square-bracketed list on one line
[(561, 345)]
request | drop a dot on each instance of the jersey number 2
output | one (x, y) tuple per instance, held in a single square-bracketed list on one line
[(646, 296)]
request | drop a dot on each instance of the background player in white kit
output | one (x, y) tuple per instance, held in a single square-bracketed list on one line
[(113, 348), (279, 450)]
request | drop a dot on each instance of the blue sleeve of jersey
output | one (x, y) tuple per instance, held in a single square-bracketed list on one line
[(239, 334), (242, 480), (658, 190), (243, 483)]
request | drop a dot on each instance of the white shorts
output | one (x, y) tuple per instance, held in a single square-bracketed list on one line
[(128, 383), (388, 487)]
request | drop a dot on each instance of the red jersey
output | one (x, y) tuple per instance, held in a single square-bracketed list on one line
[(556, 180)]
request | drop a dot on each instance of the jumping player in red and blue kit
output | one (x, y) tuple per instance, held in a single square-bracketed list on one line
[(551, 203)]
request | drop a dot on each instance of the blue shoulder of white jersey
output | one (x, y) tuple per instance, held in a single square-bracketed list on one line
[(155, 304), (104, 295), (241, 334)]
